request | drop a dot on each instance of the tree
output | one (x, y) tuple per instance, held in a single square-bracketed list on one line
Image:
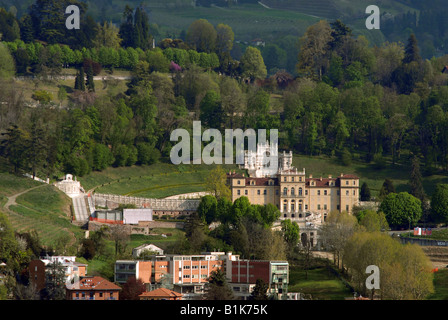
[(15, 147), (260, 291), (55, 282), (211, 111), (216, 183), (386, 188), (291, 235), (132, 289), (7, 65), (107, 36), (119, 234), (405, 270), (224, 39), (416, 180), (439, 203), (90, 84), (80, 80), (314, 46), (336, 230), (202, 35), (365, 192), (88, 250), (102, 157), (8, 244), (412, 51), (374, 221), (252, 64), (217, 287), (401, 209), (207, 209)]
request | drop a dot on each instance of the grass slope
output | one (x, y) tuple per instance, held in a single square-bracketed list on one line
[(44, 209), (320, 283), (374, 177), (154, 181)]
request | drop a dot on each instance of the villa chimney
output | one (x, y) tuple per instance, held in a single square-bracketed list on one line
[(330, 176), (311, 176)]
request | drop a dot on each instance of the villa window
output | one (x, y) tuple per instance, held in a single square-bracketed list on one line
[(300, 191), (293, 191), (285, 191)]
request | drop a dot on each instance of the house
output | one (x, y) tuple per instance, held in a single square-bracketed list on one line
[(242, 276), (146, 247), (92, 288), (161, 294), (298, 197), (125, 269), (39, 268)]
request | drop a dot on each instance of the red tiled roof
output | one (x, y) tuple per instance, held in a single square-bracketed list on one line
[(161, 292), (348, 176), (95, 283), (318, 182), (260, 181)]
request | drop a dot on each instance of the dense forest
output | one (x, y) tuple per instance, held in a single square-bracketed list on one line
[(348, 99)]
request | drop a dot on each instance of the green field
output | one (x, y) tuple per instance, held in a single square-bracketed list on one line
[(440, 286), (12, 184), (154, 181), (320, 283), (44, 209), (247, 21), (399, 174)]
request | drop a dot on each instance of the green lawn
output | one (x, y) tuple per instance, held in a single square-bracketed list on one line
[(44, 209), (11, 184), (436, 235), (320, 284), (399, 174), (154, 181), (440, 285), (248, 21)]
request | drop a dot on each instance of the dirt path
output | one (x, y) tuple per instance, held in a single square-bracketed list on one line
[(12, 199)]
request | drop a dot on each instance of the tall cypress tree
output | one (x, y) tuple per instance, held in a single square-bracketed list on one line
[(79, 80), (416, 180), (365, 192), (412, 51), (89, 81)]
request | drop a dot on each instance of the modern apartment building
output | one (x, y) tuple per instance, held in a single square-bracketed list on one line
[(188, 274)]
